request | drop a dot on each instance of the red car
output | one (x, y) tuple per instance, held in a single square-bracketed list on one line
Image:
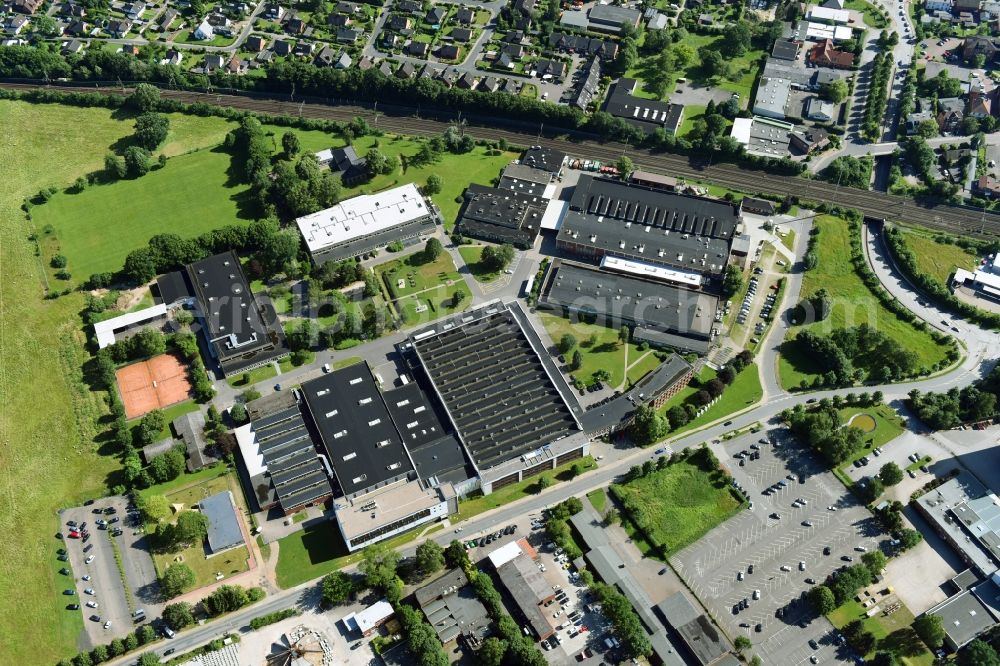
[(74, 535)]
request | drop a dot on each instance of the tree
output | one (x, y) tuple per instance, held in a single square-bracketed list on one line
[(151, 129), (168, 465), (978, 653), (872, 489), (100, 652), (434, 184), (930, 628), (566, 343), (492, 651), (712, 61), (225, 599), (577, 361), (908, 538), (737, 40), (455, 555), (136, 161), (544, 482), (822, 599), (148, 659), (378, 162), (624, 334), (290, 144), (457, 298), (890, 474), (742, 643), (432, 250), (647, 426), (496, 257), (191, 527), (928, 129), (175, 579), (430, 556), (625, 167), (733, 280), (379, 564), (337, 588), (848, 171), (238, 413), (153, 508), (144, 97), (834, 91), (178, 615), (114, 167), (875, 560)]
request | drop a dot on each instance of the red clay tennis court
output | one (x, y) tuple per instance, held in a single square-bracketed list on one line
[(159, 382)]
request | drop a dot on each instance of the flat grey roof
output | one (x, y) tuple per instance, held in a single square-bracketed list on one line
[(948, 508), (648, 224), (512, 215), (652, 305), (528, 587), (964, 617), (493, 385), (450, 605), (356, 428), (289, 454), (223, 524), (646, 114)]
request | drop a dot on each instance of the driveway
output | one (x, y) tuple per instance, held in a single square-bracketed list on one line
[(712, 565)]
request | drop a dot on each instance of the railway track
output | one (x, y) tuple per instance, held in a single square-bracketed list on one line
[(927, 213)]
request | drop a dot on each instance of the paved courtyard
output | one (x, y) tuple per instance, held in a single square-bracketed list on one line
[(712, 565)]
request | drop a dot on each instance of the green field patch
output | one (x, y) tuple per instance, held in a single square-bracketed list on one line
[(852, 304), (598, 500), (939, 260), (424, 291), (676, 506), (892, 631), (251, 377), (471, 255), (741, 394), (599, 347)]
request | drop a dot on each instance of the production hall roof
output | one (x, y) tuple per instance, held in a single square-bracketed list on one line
[(514, 217), (356, 429), (493, 385), (647, 224)]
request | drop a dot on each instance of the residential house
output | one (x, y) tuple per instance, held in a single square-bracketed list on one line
[(986, 186), (915, 119), (166, 18), (348, 35), (448, 52), (409, 6), (26, 6), (468, 81), (436, 16), (489, 84), (514, 51), (344, 61), (255, 43), (990, 10), (590, 46), (833, 4), (525, 7), (809, 139), (976, 45), (390, 39), (73, 46), (705, 19), (590, 85), (275, 13), (283, 47), (510, 86), (78, 29), (937, 6), (429, 72), (339, 20), (365, 63), (295, 26), (304, 49), (236, 65), (555, 69), (350, 8), (213, 62), (130, 49), (15, 24), (818, 109), (345, 161), (385, 69), (204, 31), (406, 71), (72, 9), (465, 16), (979, 106), (418, 49), (825, 54), (514, 37), (264, 57), (173, 57), (400, 23), (119, 27), (135, 9), (325, 58), (951, 113), (971, 6), (462, 35)]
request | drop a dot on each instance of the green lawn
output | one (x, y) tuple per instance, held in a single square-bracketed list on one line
[(788, 240), (598, 500), (607, 352), (939, 260), (471, 255), (256, 375), (743, 392), (205, 568), (678, 505), (887, 428), (691, 113), (48, 416), (853, 304), (641, 364), (873, 16), (189, 196), (476, 505), (424, 291), (892, 631)]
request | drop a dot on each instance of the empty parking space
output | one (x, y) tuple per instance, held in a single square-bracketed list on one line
[(751, 572)]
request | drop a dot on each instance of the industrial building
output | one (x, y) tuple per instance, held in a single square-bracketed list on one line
[(489, 370), (501, 215), (454, 611), (515, 564), (646, 114), (704, 641), (659, 308), (685, 232), (366, 222), (967, 515), (242, 331)]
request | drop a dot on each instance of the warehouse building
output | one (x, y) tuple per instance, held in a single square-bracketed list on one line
[(659, 311), (501, 215), (499, 390), (367, 222), (611, 218), (242, 331), (967, 515), (516, 565), (648, 115), (454, 611)]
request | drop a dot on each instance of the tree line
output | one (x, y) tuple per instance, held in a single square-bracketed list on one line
[(976, 402)]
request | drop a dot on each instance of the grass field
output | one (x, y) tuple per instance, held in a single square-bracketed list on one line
[(607, 352), (679, 504), (424, 291), (892, 631), (873, 16), (47, 421), (205, 568), (256, 375), (852, 305), (939, 260), (476, 505), (743, 392), (471, 255), (598, 500)]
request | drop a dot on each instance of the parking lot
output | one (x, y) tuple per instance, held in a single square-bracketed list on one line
[(112, 603), (785, 542)]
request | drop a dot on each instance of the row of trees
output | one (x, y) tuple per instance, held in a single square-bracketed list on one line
[(976, 402), (877, 98), (143, 635)]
